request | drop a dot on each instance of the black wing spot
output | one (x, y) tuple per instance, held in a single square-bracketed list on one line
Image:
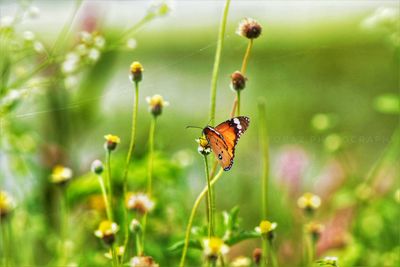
[(220, 156)]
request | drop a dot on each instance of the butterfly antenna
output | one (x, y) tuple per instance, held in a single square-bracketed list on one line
[(194, 127)]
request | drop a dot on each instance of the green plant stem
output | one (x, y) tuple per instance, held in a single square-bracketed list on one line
[(238, 102), (210, 201), (217, 60), (132, 144), (310, 250), (151, 157), (274, 262), (264, 253), (6, 243), (246, 57), (264, 142), (104, 194), (109, 184), (193, 213), (139, 248)]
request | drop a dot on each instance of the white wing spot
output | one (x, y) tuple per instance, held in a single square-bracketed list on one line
[(239, 127), (236, 121)]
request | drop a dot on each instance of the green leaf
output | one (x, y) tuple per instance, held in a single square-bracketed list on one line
[(242, 235), (178, 246)]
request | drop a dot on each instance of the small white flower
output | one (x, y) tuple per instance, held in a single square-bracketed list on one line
[(140, 202), (28, 36), (94, 54), (6, 22), (81, 49), (71, 63), (214, 246), (38, 47), (86, 37), (99, 42), (33, 12), (70, 81), (131, 43)]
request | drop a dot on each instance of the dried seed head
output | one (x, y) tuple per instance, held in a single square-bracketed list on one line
[(238, 81), (136, 72), (143, 261), (249, 28), (140, 203), (314, 229)]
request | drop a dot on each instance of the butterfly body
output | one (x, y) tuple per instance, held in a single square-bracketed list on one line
[(224, 137)]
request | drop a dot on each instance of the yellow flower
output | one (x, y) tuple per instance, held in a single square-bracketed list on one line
[(314, 229), (204, 146), (60, 174), (7, 204), (111, 142), (106, 231), (156, 104), (213, 247), (309, 202), (249, 28), (139, 202), (136, 71), (266, 226), (143, 261)]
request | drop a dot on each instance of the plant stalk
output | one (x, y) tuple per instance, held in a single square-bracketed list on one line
[(193, 213), (217, 60)]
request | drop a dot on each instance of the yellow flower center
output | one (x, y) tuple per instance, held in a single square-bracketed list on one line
[(112, 138), (136, 67)]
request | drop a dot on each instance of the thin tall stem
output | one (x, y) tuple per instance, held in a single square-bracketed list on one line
[(210, 201), (109, 183), (246, 57), (192, 214), (264, 142), (217, 60), (238, 102), (128, 161), (104, 194), (151, 156)]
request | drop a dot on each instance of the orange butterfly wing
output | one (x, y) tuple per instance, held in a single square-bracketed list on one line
[(224, 138)]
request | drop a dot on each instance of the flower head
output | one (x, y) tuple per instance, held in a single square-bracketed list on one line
[(111, 142), (135, 226), (119, 252), (139, 202), (7, 204), (238, 81), (97, 167), (143, 261), (309, 202), (314, 229), (266, 229), (156, 104), (136, 72), (328, 261), (106, 231), (204, 146), (249, 28), (214, 247), (60, 175)]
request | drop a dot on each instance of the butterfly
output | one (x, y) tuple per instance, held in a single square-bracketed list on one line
[(224, 137)]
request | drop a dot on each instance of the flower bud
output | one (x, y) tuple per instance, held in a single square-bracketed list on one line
[(97, 167), (111, 142), (238, 81), (249, 28), (156, 104), (257, 254), (135, 227), (136, 72)]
